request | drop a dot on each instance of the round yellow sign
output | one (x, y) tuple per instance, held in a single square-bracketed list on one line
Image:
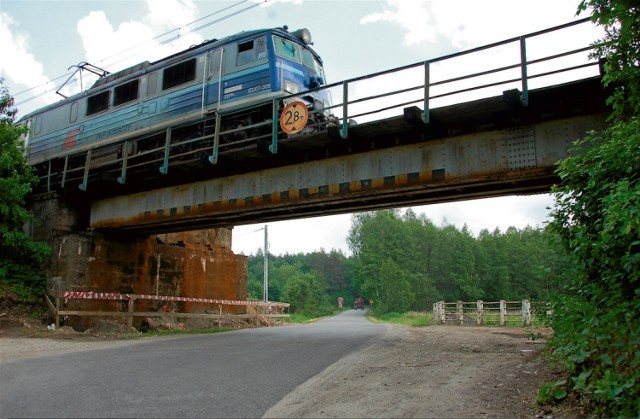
[(294, 117)]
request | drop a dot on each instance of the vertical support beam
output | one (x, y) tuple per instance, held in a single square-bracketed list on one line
[(49, 178), (427, 77), (213, 158), (273, 148), (479, 312), (220, 318), (64, 171), (344, 132), (460, 312), (523, 69), (125, 159), (503, 313), (85, 176), (57, 297), (130, 312), (167, 148)]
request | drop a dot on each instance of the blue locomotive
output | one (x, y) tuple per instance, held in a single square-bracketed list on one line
[(128, 113)]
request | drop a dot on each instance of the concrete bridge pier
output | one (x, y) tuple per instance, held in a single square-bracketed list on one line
[(188, 264)]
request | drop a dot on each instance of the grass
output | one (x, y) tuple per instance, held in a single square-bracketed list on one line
[(410, 318)]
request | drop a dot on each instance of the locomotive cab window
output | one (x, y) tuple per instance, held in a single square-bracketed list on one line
[(179, 74), (250, 51), (127, 92), (245, 52), (98, 103), (287, 49)]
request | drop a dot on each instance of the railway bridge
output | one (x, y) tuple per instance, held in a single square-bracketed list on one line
[(484, 148), (464, 126)]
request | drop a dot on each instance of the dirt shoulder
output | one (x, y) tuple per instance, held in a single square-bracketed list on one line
[(27, 338), (437, 371)]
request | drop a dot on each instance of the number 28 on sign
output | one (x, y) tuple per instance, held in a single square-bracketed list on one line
[(294, 117)]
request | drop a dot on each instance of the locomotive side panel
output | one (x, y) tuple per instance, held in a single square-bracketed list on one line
[(238, 76)]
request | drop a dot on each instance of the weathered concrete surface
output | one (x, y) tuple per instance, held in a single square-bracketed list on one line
[(188, 264)]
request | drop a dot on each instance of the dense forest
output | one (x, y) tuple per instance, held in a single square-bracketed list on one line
[(403, 261)]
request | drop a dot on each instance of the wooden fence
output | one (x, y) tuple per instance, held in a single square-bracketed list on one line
[(269, 309), (501, 313)]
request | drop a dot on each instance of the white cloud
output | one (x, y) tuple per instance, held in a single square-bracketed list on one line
[(469, 23), (265, 3), (165, 14), (18, 64), (132, 42), (492, 213), (330, 232)]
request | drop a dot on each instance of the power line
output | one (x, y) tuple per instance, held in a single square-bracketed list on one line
[(156, 38)]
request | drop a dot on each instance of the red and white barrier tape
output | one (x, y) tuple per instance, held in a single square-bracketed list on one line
[(90, 295)]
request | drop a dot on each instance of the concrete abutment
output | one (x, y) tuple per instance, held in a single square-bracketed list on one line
[(197, 264)]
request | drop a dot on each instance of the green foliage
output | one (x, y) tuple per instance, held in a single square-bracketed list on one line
[(596, 221), (551, 393), (620, 51), (311, 282), (405, 262), (20, 257), (307, 294)]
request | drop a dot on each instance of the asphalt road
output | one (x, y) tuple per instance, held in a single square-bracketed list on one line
[(235, 374)]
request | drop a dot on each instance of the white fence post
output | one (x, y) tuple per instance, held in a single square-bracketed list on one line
[(479, 312), (503, 313), (526, 312), (459, 312), (443, 315)]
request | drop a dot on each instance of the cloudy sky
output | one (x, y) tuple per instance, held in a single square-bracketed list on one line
[(41, 39)]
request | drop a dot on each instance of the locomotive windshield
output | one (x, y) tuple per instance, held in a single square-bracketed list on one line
[(310, 61), (297, 53), (287, 49)]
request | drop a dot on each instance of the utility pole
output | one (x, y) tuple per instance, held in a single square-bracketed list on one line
[(265, 295)]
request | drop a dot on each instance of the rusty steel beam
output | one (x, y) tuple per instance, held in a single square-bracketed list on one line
[(482, 164)]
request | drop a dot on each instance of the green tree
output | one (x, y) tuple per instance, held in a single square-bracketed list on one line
[(619, 51), (597, 221), (376, 240), (307, 294), (20, 257), (389, 260)]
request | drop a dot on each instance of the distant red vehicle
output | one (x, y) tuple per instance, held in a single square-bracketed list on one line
[(359, 304)]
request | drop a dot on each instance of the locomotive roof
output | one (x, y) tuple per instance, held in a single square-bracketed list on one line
[(143, 65), (133, 71)]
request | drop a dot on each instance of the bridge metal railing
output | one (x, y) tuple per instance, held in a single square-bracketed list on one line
[(504, 64), (521, 63)]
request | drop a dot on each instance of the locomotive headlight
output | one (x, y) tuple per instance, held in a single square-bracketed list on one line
[(291, 87), (318, 104), (304, 35)]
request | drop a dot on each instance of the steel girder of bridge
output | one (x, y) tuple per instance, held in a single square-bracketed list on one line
[(516, 160)]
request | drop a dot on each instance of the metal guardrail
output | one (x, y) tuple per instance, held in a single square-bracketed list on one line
[(422, 83)]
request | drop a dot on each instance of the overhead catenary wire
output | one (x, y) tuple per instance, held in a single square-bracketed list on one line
[(141, 44)]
